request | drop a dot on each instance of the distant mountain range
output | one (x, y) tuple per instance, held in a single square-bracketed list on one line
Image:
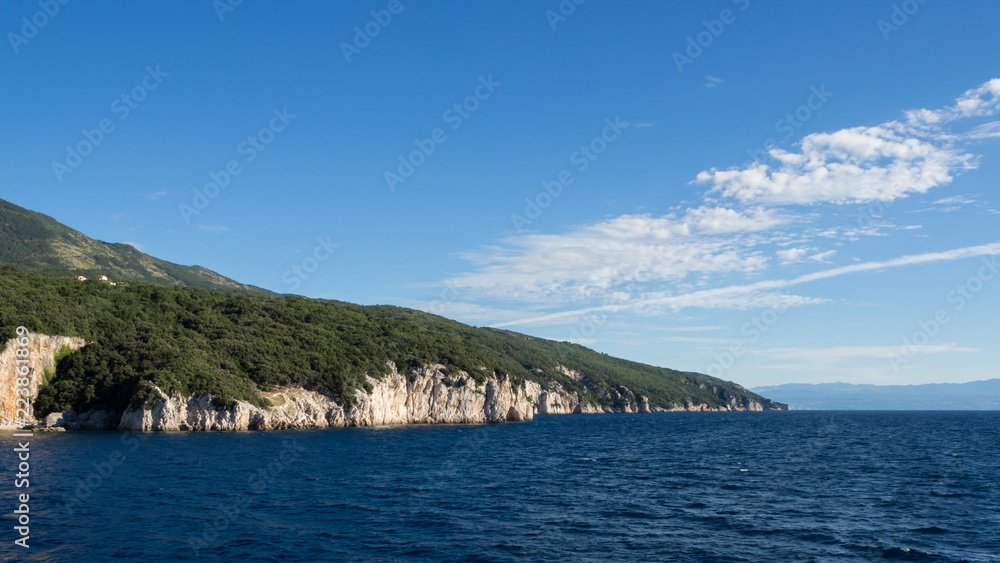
[(974, 395), (38, 243)]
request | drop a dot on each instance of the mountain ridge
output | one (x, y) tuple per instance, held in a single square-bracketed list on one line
[(971, 395), (35, 242)]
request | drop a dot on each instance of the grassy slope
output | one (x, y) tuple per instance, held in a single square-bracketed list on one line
[(192, 340), (38, 243)]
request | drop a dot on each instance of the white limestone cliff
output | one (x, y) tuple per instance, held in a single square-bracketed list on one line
[(41, 349), (420, 396)]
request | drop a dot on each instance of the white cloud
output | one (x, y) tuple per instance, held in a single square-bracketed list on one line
[(156, 195), (822, 256), (722, 220), (792, 254), (849, 166), (658, 264), (863, 164), (712, 82), (591, 261), (981, 101)]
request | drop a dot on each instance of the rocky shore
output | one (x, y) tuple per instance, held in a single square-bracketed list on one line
[(420, 396)]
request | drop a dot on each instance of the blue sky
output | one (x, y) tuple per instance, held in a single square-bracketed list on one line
[(808, 195)]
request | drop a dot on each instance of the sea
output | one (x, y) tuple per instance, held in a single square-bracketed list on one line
[(771, 486)]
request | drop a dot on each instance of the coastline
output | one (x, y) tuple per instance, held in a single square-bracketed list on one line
[(419, 396)]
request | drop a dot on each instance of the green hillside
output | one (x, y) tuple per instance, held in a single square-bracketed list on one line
[(38, 243), (191, 340), (191, 330)]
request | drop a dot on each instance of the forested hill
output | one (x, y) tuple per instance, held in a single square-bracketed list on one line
[(189, 330), (190, 340), (38, 243)]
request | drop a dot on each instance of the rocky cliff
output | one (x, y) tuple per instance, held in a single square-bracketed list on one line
[(41, 357), (420, 396)]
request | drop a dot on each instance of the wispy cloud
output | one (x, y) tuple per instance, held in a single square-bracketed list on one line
[(956, 200), (713, 82), (156, 195), (989, 130), (590, 261), (952, 204), (213, 229), (697, 339), (468, 312), (761, 294), (835, 354)]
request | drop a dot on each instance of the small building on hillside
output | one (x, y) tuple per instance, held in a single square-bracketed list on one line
[(80, 278), (104, 278)]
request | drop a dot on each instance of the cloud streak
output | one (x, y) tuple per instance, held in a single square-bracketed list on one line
[(762, 294)]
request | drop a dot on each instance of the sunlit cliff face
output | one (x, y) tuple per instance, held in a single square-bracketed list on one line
[(41, 356)]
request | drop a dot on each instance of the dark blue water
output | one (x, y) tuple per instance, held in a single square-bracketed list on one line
[(796, 486)]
